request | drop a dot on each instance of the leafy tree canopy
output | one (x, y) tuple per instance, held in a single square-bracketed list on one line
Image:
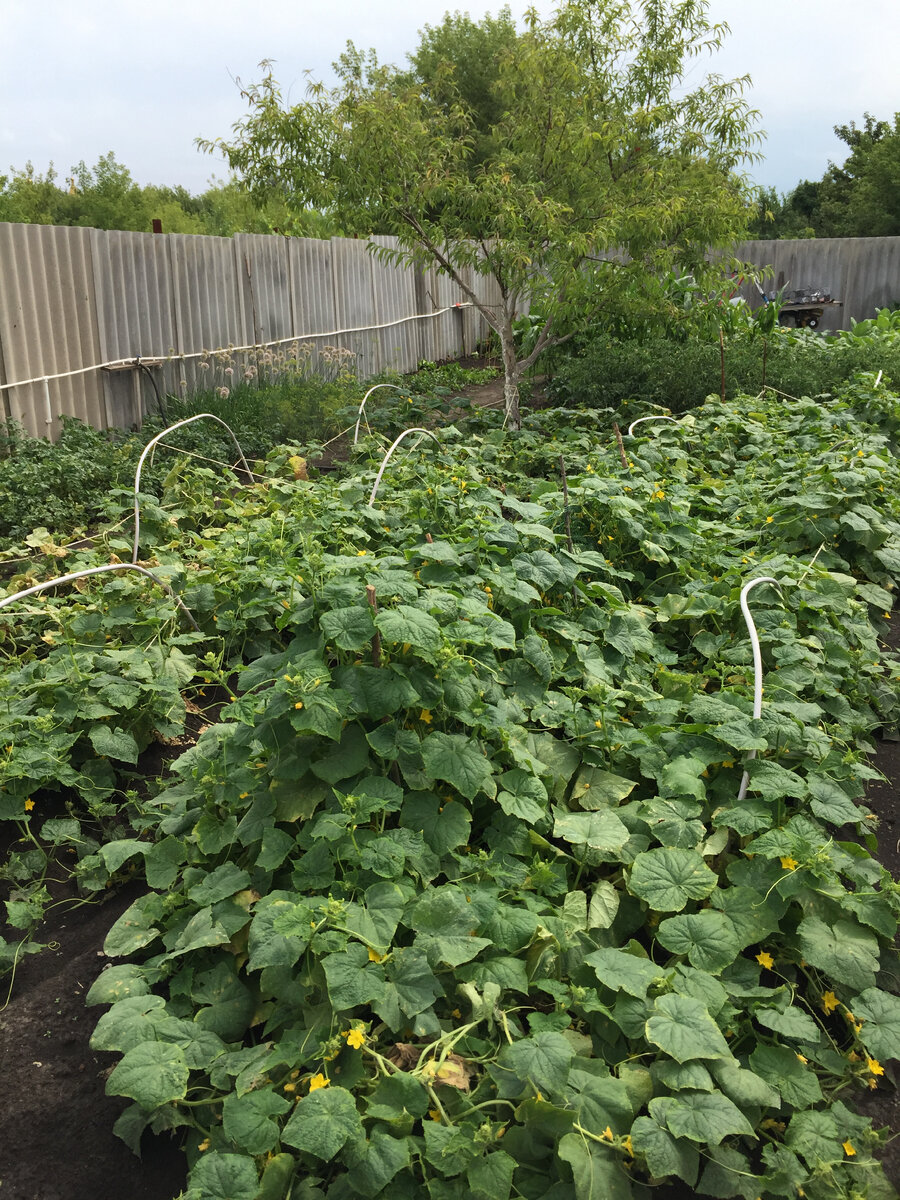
[(859, 198), (106, 196), (473, 51), (592, 167)]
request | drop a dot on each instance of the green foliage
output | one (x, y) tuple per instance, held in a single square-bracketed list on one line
[(679, 374), (856, 199), (106, 197), (455, 898), (882, 330), (598, 169), (52, 487), (60, 485), (68, 484), (460, 60), (444, 378)]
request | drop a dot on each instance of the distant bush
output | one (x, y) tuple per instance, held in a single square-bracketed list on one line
[(680, 374), (62, 484)]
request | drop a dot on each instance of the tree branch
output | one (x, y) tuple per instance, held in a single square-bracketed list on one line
[(434, 250)]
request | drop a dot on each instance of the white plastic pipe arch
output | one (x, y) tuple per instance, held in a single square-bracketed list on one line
[(149, 447), (757, 663), (60, 579), (634, 424), (359, 415), (391, 449)]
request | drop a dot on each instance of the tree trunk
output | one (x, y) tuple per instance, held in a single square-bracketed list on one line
[(511, 379)]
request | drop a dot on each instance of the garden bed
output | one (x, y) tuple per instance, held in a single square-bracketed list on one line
[(458, 892)]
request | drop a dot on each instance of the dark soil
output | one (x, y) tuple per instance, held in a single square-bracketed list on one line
[(56, 1139)]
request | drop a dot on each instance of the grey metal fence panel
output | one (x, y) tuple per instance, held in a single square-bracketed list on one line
[(428, 299), (394, 289), (264, 278), (136, 318), (472, 320), (4, 392), (48, 325), (209, 310), (873, 276), (312, 298), (448, 327), (863, 273), (262, 264), (354, 303), (75, 298)]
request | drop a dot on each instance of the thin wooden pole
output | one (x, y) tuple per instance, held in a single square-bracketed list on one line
[(622, 455), (376, 640)]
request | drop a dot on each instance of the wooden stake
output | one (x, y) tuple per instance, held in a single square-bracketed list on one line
[(376, 640), (722, 360), (565, 484), (618, 433)]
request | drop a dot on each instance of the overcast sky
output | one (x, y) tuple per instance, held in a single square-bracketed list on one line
[(143, 80)]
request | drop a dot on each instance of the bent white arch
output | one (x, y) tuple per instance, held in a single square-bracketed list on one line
[(359, 415), (633, 424), (391, 449), (757, 662), (60, 579), (149, 447)]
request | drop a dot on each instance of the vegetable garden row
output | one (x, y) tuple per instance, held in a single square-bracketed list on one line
[(462, 894)]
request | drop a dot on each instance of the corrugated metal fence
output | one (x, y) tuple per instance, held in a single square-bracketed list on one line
[(71, 299), (863, 273)]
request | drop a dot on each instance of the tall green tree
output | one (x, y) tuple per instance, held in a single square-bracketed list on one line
[(859, 198), (602, 165), (473, 51), (106, 196)]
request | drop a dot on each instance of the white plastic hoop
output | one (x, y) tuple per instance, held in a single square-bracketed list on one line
[(633, 424), (149, 447), (757, 663), (60, 579), (391, 449), (359, 415)]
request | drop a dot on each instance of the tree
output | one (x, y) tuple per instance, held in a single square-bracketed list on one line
[(788, 216), (29, 197), (475, 51), (601, 167), (106, 197), (859, 198)]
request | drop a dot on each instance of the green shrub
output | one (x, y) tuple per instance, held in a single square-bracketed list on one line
[(680, 375), (62, 484), (266, 415)]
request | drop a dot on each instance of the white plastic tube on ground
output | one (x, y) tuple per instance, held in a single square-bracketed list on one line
[(757, 663), (634, 424), (390, 451), (60, 579), (362, 407), (149, 447)]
